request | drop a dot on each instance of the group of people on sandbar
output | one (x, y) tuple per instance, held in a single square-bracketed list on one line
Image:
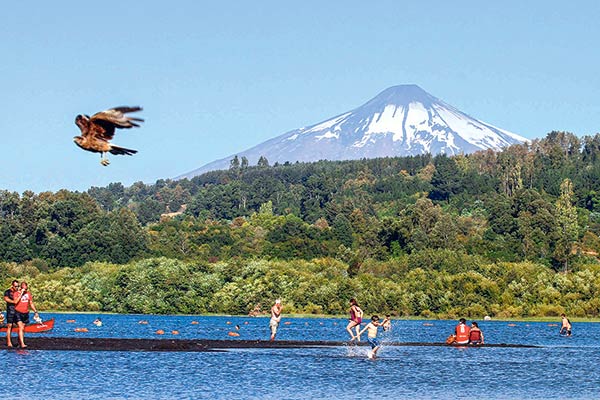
[(18, 300)]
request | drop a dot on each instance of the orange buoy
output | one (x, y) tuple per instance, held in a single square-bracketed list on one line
[(70, 321), (287, 323), (427, 324), (235, 334), (194, 322), (160, 332), (246, 322), (512, 324), (81, 329), (175, 332)]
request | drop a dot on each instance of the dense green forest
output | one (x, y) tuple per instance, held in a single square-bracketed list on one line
[(511, 233)]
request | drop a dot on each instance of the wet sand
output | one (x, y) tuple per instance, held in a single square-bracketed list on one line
[(196, 345)]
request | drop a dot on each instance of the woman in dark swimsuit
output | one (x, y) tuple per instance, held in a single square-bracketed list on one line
[(355, 319)]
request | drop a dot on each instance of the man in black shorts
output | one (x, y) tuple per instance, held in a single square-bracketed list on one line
[(11, 297)]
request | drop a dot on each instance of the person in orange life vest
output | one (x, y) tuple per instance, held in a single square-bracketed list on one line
[(22, 308), (11, 297), (462, 332), (475, 335)]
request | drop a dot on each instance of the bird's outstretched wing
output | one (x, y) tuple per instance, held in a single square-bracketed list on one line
[(103, 123)]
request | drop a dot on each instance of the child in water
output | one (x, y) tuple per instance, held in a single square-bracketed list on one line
[(387, 323), (372, 335)]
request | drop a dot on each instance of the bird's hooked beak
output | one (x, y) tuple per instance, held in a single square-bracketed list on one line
[(82, 121)]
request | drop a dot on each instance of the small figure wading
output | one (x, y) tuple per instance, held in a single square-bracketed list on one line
[(565, 328), (386, 325), (275, 318)]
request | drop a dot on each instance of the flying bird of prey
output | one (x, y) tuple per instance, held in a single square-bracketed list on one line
[(97, 130)]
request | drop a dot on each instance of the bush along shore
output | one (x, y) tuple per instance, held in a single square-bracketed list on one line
[(432, 284)]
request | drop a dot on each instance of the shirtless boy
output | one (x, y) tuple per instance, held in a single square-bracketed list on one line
[(371, 329)]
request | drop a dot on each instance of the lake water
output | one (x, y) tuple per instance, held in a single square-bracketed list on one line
[(561, 368)]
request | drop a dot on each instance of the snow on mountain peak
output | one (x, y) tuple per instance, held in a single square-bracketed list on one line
[(402, 120)]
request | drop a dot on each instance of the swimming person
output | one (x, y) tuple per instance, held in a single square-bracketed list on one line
[(462, 332), (356, 314), (475, 334), (372, 335), (565, 328), (275, 318)]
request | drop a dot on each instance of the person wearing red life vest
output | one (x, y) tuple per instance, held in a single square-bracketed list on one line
[(22, 307), (476, 335), (462, 332)]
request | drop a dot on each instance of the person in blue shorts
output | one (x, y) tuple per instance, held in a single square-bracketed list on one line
[(372, 328)]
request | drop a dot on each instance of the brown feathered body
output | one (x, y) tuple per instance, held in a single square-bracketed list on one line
[(99, 129)]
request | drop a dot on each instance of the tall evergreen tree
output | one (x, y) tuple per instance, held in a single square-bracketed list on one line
[(566, 220)]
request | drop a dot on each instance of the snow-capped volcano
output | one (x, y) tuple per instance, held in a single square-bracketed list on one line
[(400, 121)]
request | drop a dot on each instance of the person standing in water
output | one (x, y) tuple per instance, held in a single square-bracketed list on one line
[(565, 328), (22, 308), (11, 297), (356, 314), (386, 325), (275, 318)]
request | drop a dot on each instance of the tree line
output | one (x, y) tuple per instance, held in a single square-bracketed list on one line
[(531, 204)]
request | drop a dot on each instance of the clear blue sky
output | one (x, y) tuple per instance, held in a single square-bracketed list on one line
[(216, 78)]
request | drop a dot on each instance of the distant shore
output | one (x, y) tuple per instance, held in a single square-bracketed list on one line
[(342, 316)]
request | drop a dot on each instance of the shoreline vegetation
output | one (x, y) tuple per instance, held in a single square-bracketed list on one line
[(453, 286)]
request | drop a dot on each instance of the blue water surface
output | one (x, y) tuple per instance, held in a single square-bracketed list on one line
[(560, 368)]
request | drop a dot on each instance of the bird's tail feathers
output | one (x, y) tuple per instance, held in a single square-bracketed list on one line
[(117, 150)]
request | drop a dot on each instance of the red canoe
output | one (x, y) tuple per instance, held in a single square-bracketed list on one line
[(33, 328)]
